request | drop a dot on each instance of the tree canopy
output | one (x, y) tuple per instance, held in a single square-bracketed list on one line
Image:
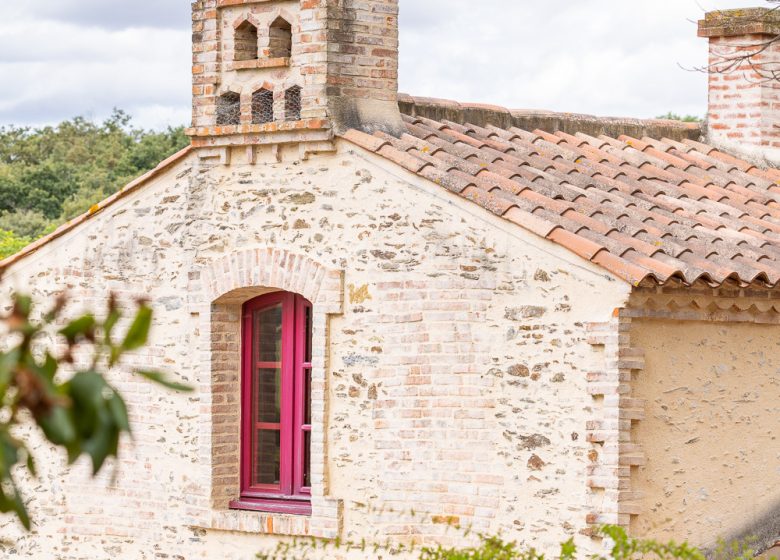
[(49, 175)]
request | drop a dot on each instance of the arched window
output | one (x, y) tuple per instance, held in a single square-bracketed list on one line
[(280, 39), (292, 104), (246, 41), (229, 109), (262, 106), (276, 404)]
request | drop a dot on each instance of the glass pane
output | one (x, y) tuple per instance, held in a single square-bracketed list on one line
[(307, 318), (307, 397), (266, 468), (268, 393), (307, 459), (268, 334)]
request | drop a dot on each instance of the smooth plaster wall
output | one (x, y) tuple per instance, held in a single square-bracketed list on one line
[(712, 427), (440, 410)]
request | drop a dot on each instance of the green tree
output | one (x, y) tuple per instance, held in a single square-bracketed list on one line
[(10, 243), (670, 116), (25, 223), (49, 175)]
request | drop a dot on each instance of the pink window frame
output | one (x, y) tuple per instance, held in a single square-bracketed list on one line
[(290, 495)]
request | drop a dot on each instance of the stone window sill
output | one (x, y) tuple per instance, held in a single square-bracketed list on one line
[(243, 521), (259, 64)]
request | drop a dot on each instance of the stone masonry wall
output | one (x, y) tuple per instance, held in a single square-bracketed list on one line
[(453, 378)]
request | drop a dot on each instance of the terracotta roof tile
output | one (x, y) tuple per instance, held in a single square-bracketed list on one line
[(649, 209)]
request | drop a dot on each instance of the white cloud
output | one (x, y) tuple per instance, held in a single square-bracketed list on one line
[(61, 58)]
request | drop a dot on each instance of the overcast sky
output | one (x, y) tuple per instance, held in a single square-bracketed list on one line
[(62, 58)]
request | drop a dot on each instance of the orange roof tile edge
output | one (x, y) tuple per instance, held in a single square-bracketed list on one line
[(131, 187)]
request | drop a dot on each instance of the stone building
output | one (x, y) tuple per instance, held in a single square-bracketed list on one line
[(402, 313)]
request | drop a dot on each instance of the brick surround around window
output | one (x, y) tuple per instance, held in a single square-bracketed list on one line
[(226, 284)]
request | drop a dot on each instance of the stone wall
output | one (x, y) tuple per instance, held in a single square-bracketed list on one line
[(453, 377)]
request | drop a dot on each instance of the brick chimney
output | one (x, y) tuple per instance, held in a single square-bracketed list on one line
[(292, 71), (744, 94)]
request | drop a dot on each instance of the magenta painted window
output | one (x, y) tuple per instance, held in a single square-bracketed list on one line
[(275, 405)]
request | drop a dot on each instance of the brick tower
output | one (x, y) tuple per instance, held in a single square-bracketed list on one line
[(293, 71)]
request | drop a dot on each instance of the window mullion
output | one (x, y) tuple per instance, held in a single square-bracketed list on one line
[(288, 395), (298, 438)]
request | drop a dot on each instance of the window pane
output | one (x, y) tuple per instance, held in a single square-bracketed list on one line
[(268, 392), (307, 459), (307, 396), (266, 467), (268, 334), (307, 318)]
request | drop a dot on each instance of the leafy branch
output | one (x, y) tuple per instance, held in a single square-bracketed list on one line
[(81, 413)]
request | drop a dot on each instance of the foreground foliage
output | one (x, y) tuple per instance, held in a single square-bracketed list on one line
[(52, 174), (78, 410), (619, 545)]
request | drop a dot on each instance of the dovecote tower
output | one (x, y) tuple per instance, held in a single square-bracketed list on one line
[(293, 71)]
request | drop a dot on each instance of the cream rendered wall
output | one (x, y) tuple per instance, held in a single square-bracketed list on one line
[(711, 427), (440, 409)]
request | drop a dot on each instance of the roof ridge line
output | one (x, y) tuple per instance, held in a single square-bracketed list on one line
[(481, 114)]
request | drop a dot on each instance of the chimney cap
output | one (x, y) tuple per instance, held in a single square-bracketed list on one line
[(747, 21)]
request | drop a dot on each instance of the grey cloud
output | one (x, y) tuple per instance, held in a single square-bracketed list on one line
[(112, 14), (60, 58)]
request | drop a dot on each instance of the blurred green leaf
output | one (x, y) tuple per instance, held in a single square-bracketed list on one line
[(81, 327), (58, 427), (31, 463), (160, 378), (138, 333), (21, 511), (102, 441), (113, 318), (119, 411), (86, 388), (23, 305)]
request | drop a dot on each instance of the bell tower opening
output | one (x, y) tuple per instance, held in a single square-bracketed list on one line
[(229, 109), (280, 39), (246, 41), (292, 104), (262, 106)]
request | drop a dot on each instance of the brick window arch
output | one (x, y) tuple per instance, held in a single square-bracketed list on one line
[(276, 404)]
